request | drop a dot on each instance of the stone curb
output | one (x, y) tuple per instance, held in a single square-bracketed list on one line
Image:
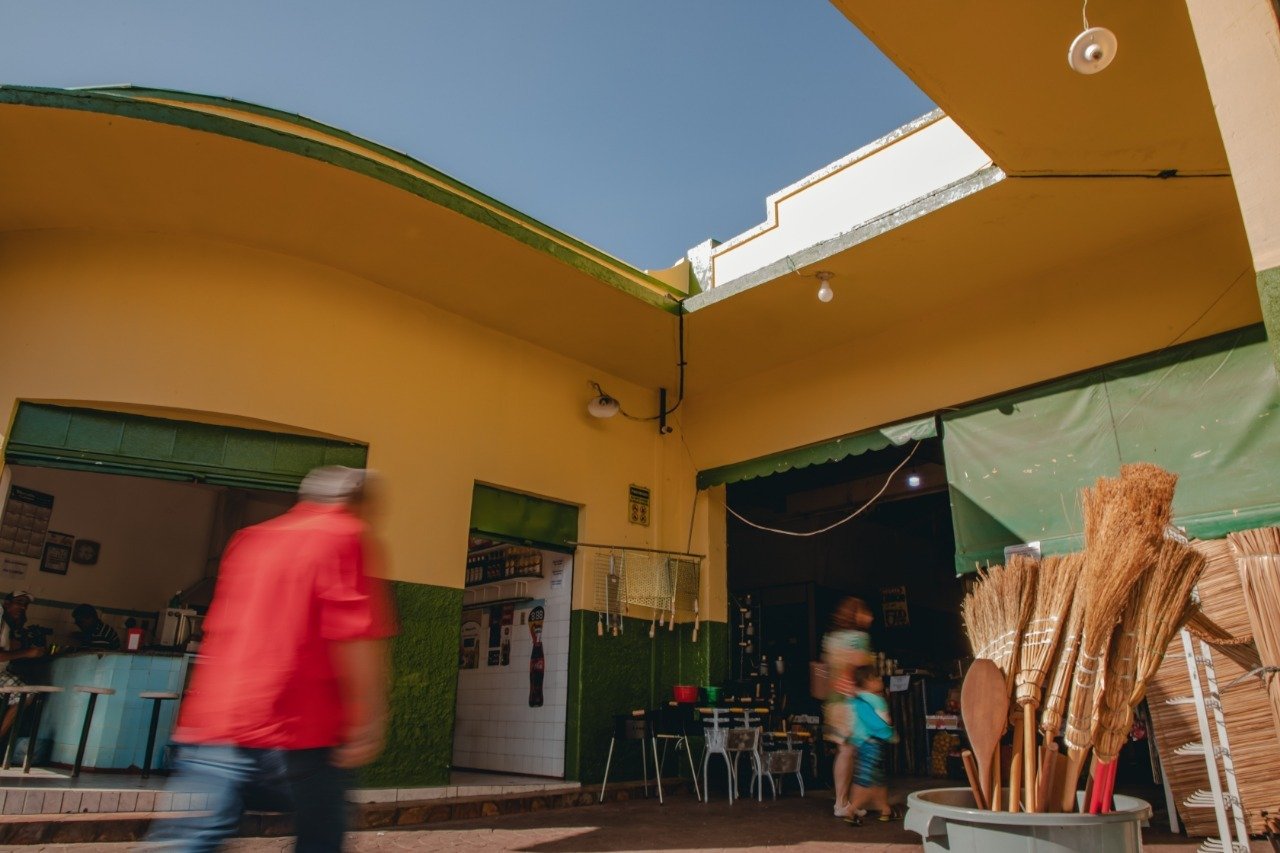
[(87, 827)]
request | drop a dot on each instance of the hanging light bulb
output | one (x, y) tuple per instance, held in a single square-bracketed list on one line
[(825, 293), (1093, 49)]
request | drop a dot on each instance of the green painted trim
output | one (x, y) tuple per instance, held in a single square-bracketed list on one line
[(424, 687), (455, 195), (1269, 296), (816, 454), (614, 675), (526, 519), (81, 439)]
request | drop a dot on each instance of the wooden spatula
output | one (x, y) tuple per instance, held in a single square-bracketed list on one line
[(984, 704)]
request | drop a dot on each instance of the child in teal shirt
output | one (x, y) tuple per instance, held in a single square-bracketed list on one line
[(872, 731)]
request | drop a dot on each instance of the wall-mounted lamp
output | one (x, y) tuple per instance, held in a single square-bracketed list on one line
[(825, 293), (913, 480), (602, 406)]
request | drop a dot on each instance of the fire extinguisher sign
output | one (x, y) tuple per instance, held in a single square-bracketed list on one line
[(638, 505)]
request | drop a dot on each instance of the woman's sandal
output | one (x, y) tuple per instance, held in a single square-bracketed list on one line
[(891, 814), (853, 819)]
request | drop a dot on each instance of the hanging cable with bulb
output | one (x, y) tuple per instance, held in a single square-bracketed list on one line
[(850, 517)]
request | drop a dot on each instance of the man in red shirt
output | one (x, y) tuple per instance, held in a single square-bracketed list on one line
[(290, 689)]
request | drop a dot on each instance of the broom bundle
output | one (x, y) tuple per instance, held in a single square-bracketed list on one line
[(1054, 589), (1258, 559), (1054, 706), (1158, 608), (997, 610), (995, 615), (1124, 522)]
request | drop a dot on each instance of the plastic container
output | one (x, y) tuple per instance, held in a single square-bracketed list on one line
[(946, 820), (685, 693), (713, 694)]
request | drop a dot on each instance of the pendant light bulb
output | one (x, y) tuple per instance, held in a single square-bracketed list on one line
[(825, 293)]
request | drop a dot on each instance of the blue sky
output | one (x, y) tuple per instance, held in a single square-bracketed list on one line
[(642, 127)]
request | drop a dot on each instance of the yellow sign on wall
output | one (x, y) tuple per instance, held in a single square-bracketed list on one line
[(638, 510)]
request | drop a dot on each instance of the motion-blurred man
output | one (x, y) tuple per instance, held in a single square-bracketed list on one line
[(291, 687)]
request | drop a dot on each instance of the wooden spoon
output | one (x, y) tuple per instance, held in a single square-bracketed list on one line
[(984, 705)]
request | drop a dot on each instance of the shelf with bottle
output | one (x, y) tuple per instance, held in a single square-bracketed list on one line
[(494, 565)]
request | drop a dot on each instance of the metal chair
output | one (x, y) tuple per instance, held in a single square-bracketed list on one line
[(716, 737), (39, 694), (94, 693), (782, 755), (746, 741), (156, 698)]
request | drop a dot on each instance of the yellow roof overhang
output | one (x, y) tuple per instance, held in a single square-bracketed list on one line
[(130, 160), (999, 69)]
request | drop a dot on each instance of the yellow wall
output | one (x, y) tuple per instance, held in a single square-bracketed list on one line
[(1106, 308), (1239, 43), (184, 324)]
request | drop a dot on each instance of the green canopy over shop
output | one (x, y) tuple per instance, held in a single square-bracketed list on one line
[(1208, 411), (816, 454)]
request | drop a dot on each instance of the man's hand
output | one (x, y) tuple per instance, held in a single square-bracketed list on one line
[(362, 667), (360, 747)]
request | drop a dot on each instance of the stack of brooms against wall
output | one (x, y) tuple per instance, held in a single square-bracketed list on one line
[(1091, 626)]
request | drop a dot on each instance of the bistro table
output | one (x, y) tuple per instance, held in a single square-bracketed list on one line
[(118, 737)]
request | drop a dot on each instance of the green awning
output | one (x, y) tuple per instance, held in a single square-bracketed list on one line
[(513, 517), (1208, 411), (816, 454), (136, 445)]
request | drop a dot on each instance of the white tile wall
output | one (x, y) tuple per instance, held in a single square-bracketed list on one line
[(495, 728)]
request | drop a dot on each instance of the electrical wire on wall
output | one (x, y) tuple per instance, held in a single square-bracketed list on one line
[(850, 517), (680, 365)]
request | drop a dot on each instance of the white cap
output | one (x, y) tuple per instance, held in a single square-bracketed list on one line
[(332, 484)]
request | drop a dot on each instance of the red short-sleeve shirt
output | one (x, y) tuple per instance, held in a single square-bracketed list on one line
[(287, 590)]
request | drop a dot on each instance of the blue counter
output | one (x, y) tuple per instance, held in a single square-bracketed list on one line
[(118, 736)]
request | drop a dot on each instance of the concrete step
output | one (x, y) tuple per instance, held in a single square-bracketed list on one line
[(120, 826)]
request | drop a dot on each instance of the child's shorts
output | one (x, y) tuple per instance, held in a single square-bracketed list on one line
[(868, 772)]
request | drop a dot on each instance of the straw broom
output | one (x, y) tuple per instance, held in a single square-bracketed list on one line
[(1124, 522), (1054, 589), (1258, 560), (995, 614), (1160, 606), (1054, 709)]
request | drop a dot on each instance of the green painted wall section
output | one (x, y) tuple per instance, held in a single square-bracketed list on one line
[(1269, 297), (614, 675), (424, 686)]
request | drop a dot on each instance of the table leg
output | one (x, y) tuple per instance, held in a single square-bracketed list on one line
[(37, 711), (13, 731)]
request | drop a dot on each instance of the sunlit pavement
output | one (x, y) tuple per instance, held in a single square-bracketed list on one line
[(790, 823)]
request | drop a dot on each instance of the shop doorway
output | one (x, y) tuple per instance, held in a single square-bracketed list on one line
[(898, 555), (127, 512), (513, 652)]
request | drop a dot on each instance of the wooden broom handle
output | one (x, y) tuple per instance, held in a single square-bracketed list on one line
[(1015, 767), (971, 770), (1029, 758)]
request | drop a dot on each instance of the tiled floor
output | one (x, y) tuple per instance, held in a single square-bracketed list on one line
[(799, 825)]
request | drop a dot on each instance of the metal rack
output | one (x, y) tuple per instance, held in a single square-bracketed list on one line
[(1217, 754)]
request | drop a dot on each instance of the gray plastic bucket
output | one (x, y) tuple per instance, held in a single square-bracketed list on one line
[(947, 822)]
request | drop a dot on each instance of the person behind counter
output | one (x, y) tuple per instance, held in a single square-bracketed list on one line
[(94, 633), (16, 643)]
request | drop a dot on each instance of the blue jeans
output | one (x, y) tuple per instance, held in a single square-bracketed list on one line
[(299, 779)]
